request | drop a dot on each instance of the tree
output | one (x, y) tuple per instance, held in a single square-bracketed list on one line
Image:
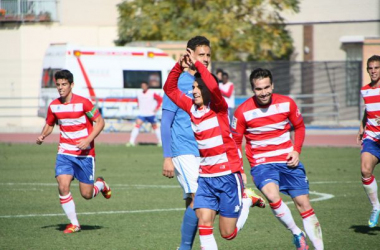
[(238, 29)]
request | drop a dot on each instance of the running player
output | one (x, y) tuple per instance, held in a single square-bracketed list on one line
[(181, 155), (370, 135), (220, 182), (265, 121), (76, 151), (149, 103)]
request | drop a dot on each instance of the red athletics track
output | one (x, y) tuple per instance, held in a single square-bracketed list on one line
[(313, 138)]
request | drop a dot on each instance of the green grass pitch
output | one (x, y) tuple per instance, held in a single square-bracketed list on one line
[(146, 209)]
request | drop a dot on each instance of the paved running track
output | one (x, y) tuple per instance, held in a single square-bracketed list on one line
[(313, 138)]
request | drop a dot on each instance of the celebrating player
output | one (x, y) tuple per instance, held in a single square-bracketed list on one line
[(178, 143), (265, 120), (149, 103), (369, 133), (76, 151), (220, 182)]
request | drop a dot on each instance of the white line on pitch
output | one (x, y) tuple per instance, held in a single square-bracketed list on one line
[(322, 197)]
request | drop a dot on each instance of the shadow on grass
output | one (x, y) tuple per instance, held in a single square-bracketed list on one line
[(61, 227), (365, 229)]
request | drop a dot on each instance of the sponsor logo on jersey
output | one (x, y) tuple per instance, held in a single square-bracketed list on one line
[(260, 160)]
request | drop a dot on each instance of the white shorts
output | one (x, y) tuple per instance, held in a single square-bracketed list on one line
[(187, 172)]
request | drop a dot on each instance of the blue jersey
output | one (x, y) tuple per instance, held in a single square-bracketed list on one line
[(182, 136)]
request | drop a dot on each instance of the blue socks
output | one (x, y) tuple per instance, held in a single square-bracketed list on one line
[(188, 229)]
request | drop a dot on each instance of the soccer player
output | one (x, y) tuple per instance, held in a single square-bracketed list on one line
[(369, 134), (149, 103), (228, 92), (181, 155), (76, 151), (220, 184), (265, 121)]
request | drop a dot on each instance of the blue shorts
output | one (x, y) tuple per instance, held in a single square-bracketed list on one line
[(291, 181), (82, 168), (371, 147), (222, 194), (150, 119)]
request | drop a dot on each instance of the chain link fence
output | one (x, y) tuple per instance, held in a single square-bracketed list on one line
[(328, 93)]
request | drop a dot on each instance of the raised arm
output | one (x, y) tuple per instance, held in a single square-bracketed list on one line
[(172, 91)]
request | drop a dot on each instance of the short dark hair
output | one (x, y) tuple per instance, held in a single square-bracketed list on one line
[(196, 41), (219, 71), (205, 92), (64, 74), (374, 58), (260, 73), (225, 74)]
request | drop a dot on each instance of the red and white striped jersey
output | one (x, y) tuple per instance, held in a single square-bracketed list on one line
[(75, 121), (148, 101), (371, 97), (218, 151), (267, 129)]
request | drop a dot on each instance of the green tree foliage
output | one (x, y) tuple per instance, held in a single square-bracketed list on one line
[(238, 29)]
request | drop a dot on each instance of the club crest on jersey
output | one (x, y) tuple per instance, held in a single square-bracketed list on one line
[(234, 122)]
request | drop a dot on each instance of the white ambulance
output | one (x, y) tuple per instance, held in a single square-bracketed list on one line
[(110, 77)]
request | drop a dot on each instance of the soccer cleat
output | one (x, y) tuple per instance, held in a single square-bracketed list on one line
[(300, 241), (257, 201), (129, 144), (71, 229), (373, 219), (106, 189)]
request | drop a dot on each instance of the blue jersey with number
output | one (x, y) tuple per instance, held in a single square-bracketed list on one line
[(183, 141)]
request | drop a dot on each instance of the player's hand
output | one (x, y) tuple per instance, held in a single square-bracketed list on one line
[(293, 159), (168, 168), (83, 144), (40, 139), (182, 61), (191, 58), (359, 138)]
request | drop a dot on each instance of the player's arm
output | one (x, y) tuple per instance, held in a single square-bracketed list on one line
[(166, 123), (172, 91), (296, 119), (46, 131), (98, 127), (362, 127), (229, 92), (158, 99), (217, 99)]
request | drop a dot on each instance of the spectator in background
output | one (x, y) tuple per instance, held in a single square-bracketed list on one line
[(149, 103), (219, 75), (228, 92)]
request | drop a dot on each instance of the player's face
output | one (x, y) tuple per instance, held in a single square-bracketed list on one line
[(203, 54), (144, 86), (263, 89), (373, 70), (64, 87), (197, 94)]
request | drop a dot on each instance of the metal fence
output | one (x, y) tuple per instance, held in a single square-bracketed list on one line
[(326, 92), (29, 10)]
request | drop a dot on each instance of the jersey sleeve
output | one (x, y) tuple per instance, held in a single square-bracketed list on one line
[(296, 119), (172, 91), (158, 99), (91, 111), (50, 117), (217, 99), (229, 92)]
